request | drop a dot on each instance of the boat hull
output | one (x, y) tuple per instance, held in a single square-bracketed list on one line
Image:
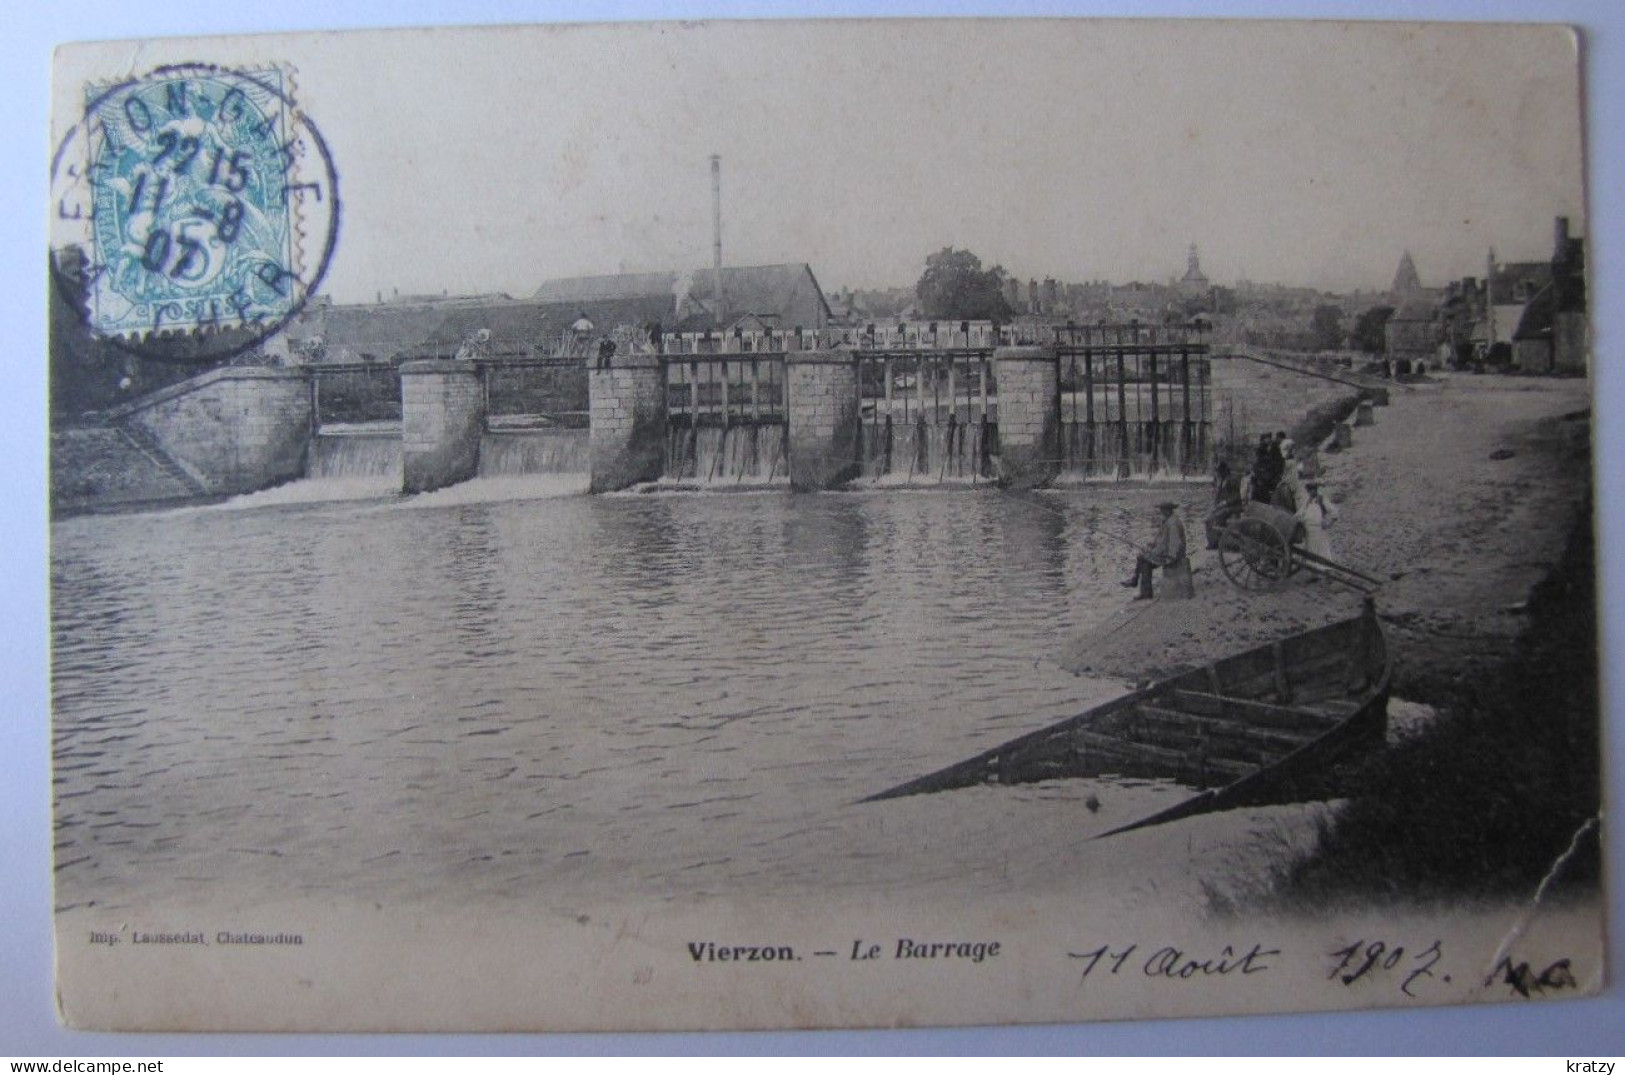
[(1260, 726)]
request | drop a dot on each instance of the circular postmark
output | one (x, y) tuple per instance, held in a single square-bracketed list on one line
[(194, 210)]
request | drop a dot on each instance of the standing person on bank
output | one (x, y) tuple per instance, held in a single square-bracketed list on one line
[(1317, 515), (1289, 494), (1165, 552), (1266, 469), (1228, 499)]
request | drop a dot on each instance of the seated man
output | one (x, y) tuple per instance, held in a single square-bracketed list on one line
[(1168, 550)]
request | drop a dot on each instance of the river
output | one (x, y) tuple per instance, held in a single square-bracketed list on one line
[(513, 690)]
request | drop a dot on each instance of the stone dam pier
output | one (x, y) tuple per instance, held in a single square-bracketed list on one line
[(1089, 403)]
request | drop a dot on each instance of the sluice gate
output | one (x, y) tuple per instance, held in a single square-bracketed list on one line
[(726, 418), (1116, 401), (1135, 400), (928, 415)]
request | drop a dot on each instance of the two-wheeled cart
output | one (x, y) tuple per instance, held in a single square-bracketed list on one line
[(1262, 546)]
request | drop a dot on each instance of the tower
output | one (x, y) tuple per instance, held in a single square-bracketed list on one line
[(1193, 282), (1406, 282), (716, 244)]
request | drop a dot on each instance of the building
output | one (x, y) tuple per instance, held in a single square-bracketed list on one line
[(759, 298), (1407, 284), (414, 327), (1193, 284), (784, 297), (1530, 314), (1552, 334), (1412, 333)]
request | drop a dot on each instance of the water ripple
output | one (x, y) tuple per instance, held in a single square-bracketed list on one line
[(364, 698)]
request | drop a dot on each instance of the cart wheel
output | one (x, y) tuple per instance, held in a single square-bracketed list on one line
[(1253, 555)]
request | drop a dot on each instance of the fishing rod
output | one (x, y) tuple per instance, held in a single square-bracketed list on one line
[(1137, 545), (1125, 514)]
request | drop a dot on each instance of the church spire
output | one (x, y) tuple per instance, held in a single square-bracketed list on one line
[(1193, 280), (1193, 265), (1406, 282)]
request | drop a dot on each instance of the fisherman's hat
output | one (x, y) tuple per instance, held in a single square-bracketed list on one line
[(1169, 505)]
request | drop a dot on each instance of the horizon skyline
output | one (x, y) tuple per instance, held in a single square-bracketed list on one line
[(1307, 152), (396, 294)]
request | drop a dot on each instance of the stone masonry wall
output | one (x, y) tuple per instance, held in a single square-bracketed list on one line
[(230, 430), (99, 467), (824, 417), (1252, 397), (442, 419), (1570, 351), (1029, 425), (627, 408)]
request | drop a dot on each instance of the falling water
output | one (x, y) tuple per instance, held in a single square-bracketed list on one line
[(733, 455), (926, 453), (538, 451), (356, 455), (1135, 450)]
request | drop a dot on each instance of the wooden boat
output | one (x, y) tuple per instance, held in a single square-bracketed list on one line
[(1257, 727)]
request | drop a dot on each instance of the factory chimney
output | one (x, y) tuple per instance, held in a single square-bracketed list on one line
[(716, 232)]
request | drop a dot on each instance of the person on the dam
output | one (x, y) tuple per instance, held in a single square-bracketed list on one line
[(579, 337), (1166, 552), (1317, 515)]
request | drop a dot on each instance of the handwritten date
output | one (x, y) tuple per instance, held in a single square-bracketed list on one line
[(1372, 959)]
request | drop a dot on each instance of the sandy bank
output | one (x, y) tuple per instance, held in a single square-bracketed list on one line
[(1458, 537)]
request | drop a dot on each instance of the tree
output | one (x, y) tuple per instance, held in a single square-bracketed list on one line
[(1368, 333), (1327, 328), (954, 286), (90, 372)]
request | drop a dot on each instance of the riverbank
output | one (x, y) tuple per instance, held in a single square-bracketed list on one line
[(1471, 503), (1501, 793), (1458, 538)]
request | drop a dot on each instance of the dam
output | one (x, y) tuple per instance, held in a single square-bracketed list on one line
[(893, 408)]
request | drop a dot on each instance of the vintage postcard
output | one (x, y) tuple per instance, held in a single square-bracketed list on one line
[(820, 524)]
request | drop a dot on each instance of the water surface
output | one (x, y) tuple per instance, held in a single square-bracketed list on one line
[(486, 691)]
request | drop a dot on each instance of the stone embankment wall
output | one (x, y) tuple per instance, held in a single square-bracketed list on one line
[(1255, 394), (106, 467), (231, 430)]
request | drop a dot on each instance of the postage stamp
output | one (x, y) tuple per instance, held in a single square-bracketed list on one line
[(193, 199)]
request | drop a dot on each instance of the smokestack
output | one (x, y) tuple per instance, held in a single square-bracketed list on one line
[(716, 232)]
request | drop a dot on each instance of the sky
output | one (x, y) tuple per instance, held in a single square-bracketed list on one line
[(491, 160)]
